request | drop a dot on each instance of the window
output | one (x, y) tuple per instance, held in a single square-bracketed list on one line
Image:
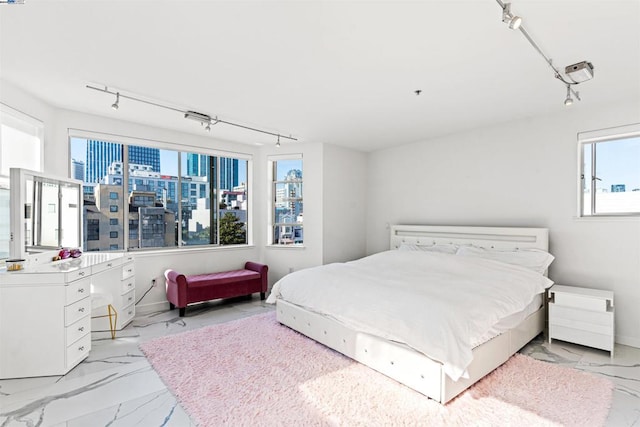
[(21, 142), (113, 234), (93, 229), (162, 198), (610, 172), (287, 201)]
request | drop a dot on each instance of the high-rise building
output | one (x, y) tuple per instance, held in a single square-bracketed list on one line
[(77, 169), (197, 164), (228, 173), (100, 155)]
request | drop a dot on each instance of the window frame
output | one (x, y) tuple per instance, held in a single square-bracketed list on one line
[(593, 138), (273, 182), (126, 142)]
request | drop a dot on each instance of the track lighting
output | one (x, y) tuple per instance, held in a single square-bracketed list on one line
[(513, 21), (575, 73), (205, 120), (278, 143), (568, 101), (116, 105)]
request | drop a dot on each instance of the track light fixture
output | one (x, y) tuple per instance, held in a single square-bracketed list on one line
[(513, 21), (205, 120), (568, 100), (116, 104), (278, 143), (576, 73)]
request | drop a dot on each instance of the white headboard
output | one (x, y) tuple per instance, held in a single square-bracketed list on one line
[(486, 237)]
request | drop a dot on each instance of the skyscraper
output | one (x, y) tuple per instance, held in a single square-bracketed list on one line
[(228, 173), (77, 169), (197, 164), (100, 155)]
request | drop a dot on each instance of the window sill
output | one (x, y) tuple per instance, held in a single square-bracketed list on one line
[(607, 218), (154, 252), (285, 246)]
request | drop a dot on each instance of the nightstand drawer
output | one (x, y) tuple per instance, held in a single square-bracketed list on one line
[(578, 336), (581, 302), (559, 313)]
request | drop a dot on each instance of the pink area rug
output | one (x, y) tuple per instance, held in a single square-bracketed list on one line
[(255, 371)]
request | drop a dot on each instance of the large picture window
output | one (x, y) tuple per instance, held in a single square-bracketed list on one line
[(145, 197), (610, 172), (287, 201)]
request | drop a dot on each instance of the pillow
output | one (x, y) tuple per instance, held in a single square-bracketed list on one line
[(533, 259), (442, 248)]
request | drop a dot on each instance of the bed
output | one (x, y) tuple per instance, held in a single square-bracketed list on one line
[(400, 359)]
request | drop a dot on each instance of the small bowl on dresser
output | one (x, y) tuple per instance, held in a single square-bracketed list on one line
[(14, 264)]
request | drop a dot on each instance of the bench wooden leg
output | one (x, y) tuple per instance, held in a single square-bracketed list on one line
[(182, 310), (262, 296)]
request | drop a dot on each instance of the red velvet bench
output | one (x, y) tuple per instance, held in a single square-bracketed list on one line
[(183, 290)]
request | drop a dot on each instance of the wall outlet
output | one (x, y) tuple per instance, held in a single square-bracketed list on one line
[(154, 282), (290, 269)]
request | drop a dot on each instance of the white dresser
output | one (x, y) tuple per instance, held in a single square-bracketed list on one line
[(582, 316), (45, 314), (119, 283)]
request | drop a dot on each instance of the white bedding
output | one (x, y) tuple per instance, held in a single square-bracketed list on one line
[(438, 304)]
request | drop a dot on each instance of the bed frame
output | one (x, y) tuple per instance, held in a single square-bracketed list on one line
[(401, 362)]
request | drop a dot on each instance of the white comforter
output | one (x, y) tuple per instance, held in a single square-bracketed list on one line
[(436, 303)]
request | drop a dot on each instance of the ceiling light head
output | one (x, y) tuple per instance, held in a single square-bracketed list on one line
[(568, 100), (278, 143), (513, 21), (208, 128), (580, 72), (116, 104)]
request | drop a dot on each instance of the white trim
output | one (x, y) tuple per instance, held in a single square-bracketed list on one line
[(618, 132), (276, 157), (155, 143)]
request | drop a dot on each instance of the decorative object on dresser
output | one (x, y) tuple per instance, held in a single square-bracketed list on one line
[(582, 316), (45, 312), (186, 289)]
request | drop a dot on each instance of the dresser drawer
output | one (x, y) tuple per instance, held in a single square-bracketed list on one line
[(77, 330), (78, 290), (75, 311), (127, 314), (106, 265), (588, 318), (128, 270), (78, 274), (580, 301), (579, 336), (79, 350), (128, 285), (128, 298)]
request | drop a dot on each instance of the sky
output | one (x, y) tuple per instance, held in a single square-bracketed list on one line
[(616, 163)]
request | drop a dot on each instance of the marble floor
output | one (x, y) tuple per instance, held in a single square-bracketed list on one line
[(115, 385)]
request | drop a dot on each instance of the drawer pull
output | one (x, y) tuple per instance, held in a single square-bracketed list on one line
[(81, 273), (130, 284), (130, 298), (109, 265), (81, 290), (130, 312), (130, 270), (81, 348), (81, 309), (81, 329)]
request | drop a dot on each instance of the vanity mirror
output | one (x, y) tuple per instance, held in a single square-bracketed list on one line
[(45, 212)]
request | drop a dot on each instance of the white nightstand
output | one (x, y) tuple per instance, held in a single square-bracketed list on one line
[(582, 316)]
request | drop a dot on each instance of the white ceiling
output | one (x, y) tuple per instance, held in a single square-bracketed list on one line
[(334, 72)]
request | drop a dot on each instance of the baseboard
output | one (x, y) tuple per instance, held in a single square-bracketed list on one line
[(153, 307), (630, 341)]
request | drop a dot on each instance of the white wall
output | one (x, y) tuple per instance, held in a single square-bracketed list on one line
[(522, 173), (344, 204)]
